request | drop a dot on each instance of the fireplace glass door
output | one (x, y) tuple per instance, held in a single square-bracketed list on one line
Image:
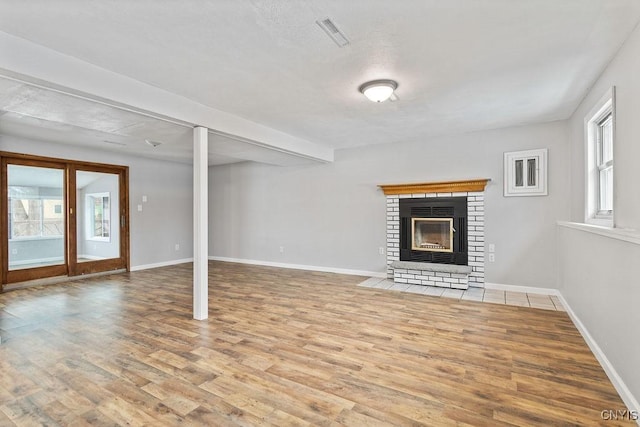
[(432, 234)]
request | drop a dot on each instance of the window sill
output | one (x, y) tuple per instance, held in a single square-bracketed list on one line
[(600, 221), (27, 239), (631, 236)]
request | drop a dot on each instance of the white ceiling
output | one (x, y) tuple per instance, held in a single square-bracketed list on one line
[(461, 65), (34, 112)]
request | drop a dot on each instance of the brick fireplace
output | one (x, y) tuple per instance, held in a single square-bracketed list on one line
[(437, 270)]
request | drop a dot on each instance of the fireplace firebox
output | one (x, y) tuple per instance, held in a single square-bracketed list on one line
[(434, 230), (432, 234)]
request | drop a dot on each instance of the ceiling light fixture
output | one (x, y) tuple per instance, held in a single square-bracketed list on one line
[(378, 90)]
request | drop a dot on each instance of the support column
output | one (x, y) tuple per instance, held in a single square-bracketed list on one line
[(200, 225)]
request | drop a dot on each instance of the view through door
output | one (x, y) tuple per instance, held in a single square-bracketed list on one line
[(35, 226), (62, 218), (99, 220)]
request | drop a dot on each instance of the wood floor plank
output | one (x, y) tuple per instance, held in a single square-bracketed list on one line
[(287, 348)]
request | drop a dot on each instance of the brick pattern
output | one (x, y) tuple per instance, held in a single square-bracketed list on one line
[(431, 278), (475, 233)]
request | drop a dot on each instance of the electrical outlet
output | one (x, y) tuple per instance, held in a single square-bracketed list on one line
[(177, 247), (492, 247), (281, 249), (144, 199), (381, 250), (492, 257), (139, 208)]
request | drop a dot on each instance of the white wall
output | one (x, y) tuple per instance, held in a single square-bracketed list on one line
[(599, 276), (32, 251), (167, 217), (599, 279), (333, 215), (623, 73)]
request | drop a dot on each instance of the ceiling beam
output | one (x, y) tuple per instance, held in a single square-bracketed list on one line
[(35, 64)]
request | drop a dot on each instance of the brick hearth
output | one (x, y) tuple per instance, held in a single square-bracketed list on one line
[(430, 274)]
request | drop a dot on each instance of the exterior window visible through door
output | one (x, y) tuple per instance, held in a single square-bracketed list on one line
[(36, 222), (99, 212), (61, 217), (33, 217)]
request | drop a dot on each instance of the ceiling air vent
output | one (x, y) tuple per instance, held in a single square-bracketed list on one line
[(332, 31)]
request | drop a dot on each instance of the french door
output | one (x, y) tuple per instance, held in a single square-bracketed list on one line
[(62, 218)]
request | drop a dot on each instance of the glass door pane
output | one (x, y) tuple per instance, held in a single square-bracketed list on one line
[(97, 216), (36, 217), (61, 218)]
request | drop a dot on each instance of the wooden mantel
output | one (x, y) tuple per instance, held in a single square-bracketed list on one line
[(436, 187)]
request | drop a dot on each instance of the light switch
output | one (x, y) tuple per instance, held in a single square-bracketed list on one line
[(144, 199), (139, 208)]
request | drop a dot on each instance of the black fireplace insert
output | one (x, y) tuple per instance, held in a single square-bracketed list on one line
[(434, 229)]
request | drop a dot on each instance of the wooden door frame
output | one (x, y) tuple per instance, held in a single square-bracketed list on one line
[(87, 267), (12, 276), (69, 196)]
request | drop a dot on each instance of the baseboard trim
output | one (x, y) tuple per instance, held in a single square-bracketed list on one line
[(160, 264), (527, 289), (627, 397), (301, 267)]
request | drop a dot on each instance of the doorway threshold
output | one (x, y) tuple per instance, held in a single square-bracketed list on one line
[(56, 280)]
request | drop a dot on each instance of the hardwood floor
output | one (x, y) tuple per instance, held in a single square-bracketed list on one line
[(286, 348)]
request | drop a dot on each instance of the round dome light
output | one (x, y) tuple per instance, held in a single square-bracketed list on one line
[(378, 90)]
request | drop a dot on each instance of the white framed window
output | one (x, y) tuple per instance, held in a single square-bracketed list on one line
[(34, 216), (600, 142), (525, 173), (98, 211)]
